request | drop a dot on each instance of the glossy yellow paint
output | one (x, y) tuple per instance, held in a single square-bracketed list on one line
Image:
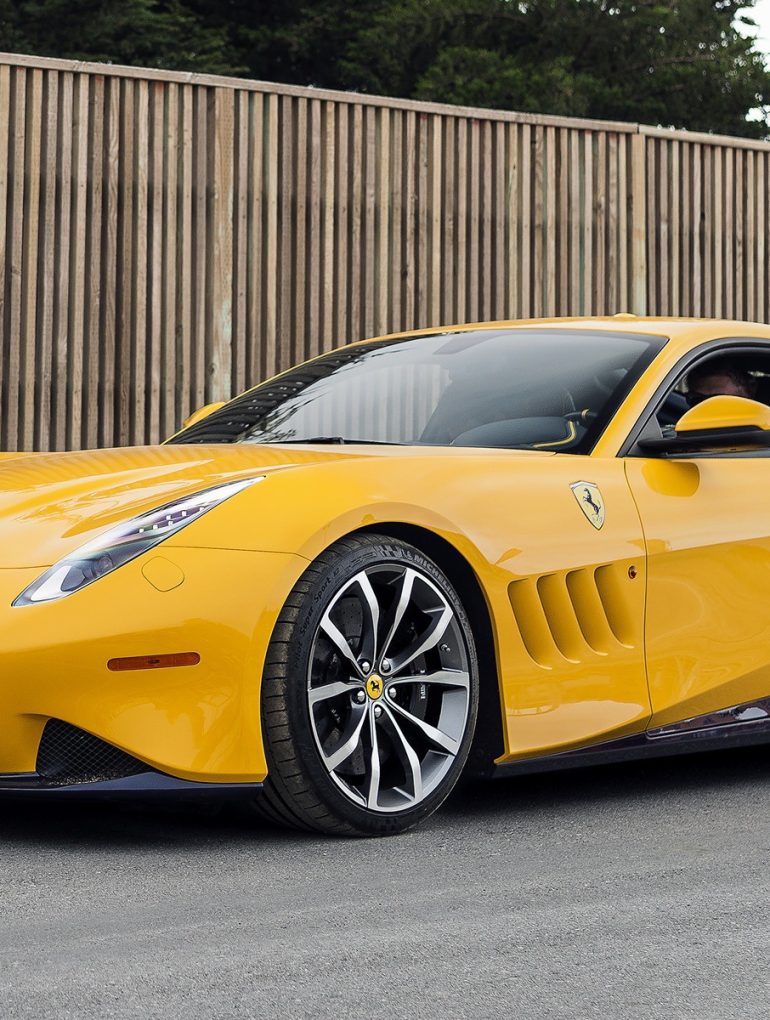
[(678, 565), (725, 412), (202, 412)]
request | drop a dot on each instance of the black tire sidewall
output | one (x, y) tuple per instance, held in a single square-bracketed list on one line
[(337, 567)]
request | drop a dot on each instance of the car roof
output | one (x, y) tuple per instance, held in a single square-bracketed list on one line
[(683, 333)]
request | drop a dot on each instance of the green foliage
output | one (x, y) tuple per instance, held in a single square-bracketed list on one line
[(673, 62), (141, 32)]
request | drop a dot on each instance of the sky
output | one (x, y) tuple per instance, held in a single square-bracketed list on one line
[(761, 14)]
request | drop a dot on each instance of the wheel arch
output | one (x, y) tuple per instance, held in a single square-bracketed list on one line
[(488, 742)]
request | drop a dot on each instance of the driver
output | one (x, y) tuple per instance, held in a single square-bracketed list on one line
[(719, 377)]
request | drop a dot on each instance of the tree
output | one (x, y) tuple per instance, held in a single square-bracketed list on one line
[(142, 32), (682, 63)]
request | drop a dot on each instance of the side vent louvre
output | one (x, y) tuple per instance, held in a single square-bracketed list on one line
[(574, 615)]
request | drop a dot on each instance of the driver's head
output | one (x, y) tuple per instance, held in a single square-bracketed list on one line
[(719, 377)]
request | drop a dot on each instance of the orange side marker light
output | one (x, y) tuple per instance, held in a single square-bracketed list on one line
[(154, 661)]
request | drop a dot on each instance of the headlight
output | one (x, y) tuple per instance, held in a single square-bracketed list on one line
[(125, 542)]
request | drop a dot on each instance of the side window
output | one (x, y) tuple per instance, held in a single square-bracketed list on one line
[(743, 373)]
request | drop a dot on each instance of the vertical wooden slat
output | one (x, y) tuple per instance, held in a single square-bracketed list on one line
[(499, 214), (155, 381), (662, 189), (314, 245), (575, 261), (241, 248), (514, 190), (461, 233), (410, 217), (675, 251), (12, 361), (600, 228), (739, 222), (355, 222), (270, 248), (729, 234), (94, 253), (707, 303), (525, 214), (474, 221), (286, 343), (184, 304), (760, 305), (75, 374), (549, 239), (718, 307), (5, 183), (109, 261), (696, 304), (587, 304), (219, 366), (383, 273), (563, 222), (436, 219), (539, 224), (43, 439), (421, 221), (485, 283), (638, 231), (370, 240), (621, 241), (397, 215), (28, 326), (299, 274), (169, 170)]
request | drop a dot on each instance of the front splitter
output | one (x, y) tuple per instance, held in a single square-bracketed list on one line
[(143, 783)]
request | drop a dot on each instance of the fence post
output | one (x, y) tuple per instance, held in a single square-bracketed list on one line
[(638, 223), (219, 362)]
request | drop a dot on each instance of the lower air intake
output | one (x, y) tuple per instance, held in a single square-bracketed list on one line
[(70, 755)]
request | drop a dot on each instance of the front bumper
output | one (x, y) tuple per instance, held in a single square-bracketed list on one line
[(199, 724)]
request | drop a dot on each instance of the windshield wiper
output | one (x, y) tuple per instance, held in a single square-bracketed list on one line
[(328, 441)]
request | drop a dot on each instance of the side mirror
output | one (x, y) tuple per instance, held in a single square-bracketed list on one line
[(718, 423), (201, 413)]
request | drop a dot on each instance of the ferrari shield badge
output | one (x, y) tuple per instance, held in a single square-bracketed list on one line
[(590, 501)]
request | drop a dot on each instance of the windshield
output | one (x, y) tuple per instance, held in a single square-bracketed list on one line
[(500, 388)]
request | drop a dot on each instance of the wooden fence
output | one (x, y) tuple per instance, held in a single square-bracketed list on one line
[(169, 239)]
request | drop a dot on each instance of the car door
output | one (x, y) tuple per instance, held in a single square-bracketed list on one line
[(706, 520), (573, 667)]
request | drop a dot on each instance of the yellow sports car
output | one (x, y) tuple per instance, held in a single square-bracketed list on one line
[(486, 548)]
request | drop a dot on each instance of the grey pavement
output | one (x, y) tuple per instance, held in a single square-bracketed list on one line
[(634, 891)]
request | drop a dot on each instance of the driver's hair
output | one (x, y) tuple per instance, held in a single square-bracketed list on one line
[(721, 366)]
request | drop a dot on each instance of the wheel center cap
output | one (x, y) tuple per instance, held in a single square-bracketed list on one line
[(374, 686)]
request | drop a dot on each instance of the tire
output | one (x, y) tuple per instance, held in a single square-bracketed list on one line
[(370, 692)]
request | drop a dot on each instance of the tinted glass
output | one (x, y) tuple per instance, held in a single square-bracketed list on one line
[(503, 388)]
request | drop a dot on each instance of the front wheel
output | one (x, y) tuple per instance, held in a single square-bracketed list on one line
[(370, 691)]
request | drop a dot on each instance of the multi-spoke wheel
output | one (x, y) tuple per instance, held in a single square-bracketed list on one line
[(370, 691)]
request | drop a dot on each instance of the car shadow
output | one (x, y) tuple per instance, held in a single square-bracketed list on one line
[(632, 782), (80, 822)]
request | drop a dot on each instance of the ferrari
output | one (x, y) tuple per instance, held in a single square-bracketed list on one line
[(476, 550)]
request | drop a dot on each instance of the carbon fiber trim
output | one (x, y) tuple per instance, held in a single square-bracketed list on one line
[(143, 783), (742, 725)]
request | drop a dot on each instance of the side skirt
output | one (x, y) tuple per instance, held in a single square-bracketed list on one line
[(745, 725)]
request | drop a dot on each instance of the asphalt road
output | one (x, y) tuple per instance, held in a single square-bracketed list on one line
[(639, 891)]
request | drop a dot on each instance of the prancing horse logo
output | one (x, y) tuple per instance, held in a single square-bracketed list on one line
[(590, 501), (374, 686)]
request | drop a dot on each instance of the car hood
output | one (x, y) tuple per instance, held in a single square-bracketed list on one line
[(51, 504)]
